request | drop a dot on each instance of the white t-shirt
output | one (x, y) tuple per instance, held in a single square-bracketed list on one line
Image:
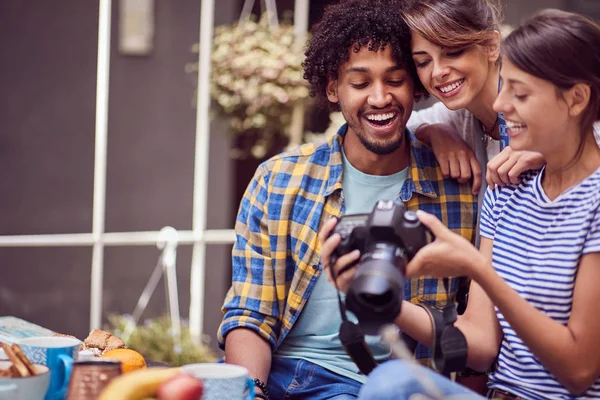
[(466, 125), (469, 128)]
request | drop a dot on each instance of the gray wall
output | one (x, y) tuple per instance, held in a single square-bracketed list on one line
[(516, 11), (47, 113)]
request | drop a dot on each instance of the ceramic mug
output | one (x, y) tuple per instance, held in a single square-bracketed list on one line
[(29, 388), (222, 381), (58, 354), (89, 378)]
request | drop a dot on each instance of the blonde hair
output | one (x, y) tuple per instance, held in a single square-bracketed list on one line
[(454, 23)]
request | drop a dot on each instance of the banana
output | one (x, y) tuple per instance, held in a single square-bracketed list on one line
[(137, 385)]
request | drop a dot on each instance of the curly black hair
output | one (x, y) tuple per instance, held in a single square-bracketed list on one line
[(354, 24)]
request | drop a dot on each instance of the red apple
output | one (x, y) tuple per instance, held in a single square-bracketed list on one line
[(181, 387)]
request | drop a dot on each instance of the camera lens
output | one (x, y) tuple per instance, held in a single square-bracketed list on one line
[(377, 300), (376, 292)]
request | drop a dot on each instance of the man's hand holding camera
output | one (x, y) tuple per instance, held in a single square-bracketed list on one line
[(328, 245), (369, 252)]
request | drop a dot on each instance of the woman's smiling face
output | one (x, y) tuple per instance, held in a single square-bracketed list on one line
[(455, 76), (535, 110)]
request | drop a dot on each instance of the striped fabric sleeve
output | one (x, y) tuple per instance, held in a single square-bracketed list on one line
[(592, 240), (244, 306), (487, 220)]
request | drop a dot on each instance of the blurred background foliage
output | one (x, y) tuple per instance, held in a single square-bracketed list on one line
[(155, 342)]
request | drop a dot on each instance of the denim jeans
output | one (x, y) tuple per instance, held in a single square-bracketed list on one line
[(294, 379), (400, 380)]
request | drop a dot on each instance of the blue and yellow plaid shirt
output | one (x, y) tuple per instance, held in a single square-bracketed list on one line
[(276, 254)]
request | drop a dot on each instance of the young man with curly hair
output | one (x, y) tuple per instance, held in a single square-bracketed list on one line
[(281, 318)]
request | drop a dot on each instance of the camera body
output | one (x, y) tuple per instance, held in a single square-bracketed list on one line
[(387, 238)]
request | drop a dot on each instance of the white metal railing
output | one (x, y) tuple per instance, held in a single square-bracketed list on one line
[(145, 238), (201, 169), (98, 213)]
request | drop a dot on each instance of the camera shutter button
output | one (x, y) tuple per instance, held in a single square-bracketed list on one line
[(411, 216)]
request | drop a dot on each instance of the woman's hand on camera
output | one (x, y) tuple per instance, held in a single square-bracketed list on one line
[(328, 246), (448, 255)]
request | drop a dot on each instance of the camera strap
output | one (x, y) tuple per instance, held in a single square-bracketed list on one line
[(449, 344), (353, 340)]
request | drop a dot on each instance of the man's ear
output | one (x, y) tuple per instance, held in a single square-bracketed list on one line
[(494, 47), (332, 91), (578, 98)]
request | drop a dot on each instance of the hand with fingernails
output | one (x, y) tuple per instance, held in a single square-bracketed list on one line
[(456, 159), (449, 254), (328, 246), (505, 168)]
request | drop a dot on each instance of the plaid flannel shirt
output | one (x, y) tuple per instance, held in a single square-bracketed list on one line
[(276, 254)]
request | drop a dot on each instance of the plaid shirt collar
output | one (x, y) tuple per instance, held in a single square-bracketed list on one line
[(419, 178)]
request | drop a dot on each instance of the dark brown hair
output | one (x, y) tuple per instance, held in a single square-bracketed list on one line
[(453, 23), (564, 49)]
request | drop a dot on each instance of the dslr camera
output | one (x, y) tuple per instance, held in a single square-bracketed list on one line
[(387, 238)]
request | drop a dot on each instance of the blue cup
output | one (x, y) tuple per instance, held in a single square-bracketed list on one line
[(222, 381), (57, 353)]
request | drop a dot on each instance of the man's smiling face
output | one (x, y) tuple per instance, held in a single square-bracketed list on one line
[(376, 97)]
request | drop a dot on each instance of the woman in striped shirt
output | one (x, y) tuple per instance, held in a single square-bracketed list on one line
[(533, 302)]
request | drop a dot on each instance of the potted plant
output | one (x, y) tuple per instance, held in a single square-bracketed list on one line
[(256, 81)]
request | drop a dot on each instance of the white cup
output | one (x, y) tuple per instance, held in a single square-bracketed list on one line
[(28, 388), (222, 381)]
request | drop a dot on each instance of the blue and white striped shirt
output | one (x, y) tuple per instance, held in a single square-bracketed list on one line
[(538, 243)]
